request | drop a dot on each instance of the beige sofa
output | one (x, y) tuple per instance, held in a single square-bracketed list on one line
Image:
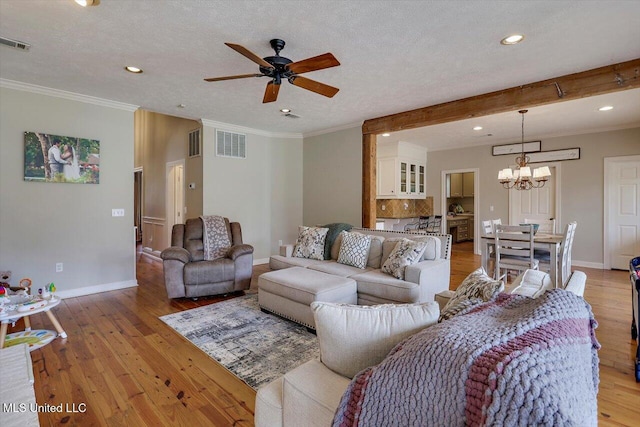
[(310, 394), (422, 280)]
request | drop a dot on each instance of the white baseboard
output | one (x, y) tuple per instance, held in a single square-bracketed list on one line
[(88, 290), (597, 265), (153, 255), (260, 261)]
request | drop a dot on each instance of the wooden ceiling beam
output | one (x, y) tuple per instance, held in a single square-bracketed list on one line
[(611, 78)]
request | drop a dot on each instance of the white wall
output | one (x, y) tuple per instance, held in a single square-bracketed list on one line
[(262, 192), (42, 224), (333, 178)]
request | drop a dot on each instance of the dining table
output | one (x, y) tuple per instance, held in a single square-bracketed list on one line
[(544, 241)]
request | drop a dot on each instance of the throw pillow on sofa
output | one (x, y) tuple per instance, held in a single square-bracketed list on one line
[(354, 249), (310, 242), (354, 337), (406, 252), (476, 288)]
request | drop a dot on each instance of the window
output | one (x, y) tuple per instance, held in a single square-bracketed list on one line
[(229, 144), (194, 143)]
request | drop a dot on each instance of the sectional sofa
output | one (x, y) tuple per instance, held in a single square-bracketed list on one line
[(422, 280)]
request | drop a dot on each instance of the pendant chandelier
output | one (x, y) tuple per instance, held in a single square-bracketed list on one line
[(521, 178)]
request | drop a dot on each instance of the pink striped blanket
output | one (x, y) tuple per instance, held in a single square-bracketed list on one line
[(512, 361)]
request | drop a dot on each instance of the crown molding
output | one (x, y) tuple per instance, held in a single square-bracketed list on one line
[(242, 129), (41, 90), (331, 130)]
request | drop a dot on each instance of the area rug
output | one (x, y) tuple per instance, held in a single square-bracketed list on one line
[(256, 347)]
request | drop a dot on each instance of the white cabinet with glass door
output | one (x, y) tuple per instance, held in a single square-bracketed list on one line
[(401, 176)]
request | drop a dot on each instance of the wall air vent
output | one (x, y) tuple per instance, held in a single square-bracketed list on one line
[(229, 144), (14, 43), (195, 143)]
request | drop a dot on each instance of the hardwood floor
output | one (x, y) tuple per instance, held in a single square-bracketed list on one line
[(129, 368)]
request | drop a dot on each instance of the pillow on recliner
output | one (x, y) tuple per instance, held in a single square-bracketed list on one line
[(477, 288), (354, 337)]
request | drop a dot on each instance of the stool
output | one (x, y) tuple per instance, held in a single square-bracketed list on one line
[(289, 292)]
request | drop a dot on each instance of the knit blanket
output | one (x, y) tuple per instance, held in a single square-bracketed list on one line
[(511, 361), (215, 238)]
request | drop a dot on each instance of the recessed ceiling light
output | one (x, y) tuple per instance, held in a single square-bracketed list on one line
[(85, 3), (513, 39), (477, 128), (606, 108), (132, 69), (386, 134), (285, 110)]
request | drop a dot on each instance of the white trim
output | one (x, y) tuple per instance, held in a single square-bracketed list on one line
[(170, 201), (242, 129), (260, 261), (608, 161), (41, 90), (476, 204), (88, 290), (154, 220), (588, 264), (334, 129), (138, 169), (151, 253)]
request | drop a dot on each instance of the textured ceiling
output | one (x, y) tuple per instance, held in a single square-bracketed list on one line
[(394, 55)]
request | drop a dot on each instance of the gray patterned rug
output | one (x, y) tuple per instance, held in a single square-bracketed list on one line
[(255, 346)]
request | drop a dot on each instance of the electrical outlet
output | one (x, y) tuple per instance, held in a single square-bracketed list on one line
[(117, 212), (59, 267), (279, 242), (490, 208)]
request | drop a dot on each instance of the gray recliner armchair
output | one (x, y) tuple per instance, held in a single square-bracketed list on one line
[(187, 274)]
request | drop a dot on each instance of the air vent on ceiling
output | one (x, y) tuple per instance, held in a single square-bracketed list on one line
[(14, 43), (195, 143), (229, 144), (291, 115)]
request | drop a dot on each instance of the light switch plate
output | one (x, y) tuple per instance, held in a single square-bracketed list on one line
[(117, 212)]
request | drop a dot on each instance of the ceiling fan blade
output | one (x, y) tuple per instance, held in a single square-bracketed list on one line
[(250, 55), (239, 76), (314, 86), (319, 62), (271, 93)]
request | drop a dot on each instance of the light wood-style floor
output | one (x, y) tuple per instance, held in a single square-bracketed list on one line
[(130, 369)]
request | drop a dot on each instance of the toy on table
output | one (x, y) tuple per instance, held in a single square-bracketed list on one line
[(23, 287)]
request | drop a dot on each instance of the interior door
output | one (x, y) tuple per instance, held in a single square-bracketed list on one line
[(623, 205), (538, 204)]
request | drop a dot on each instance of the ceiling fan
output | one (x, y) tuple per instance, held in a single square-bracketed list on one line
[(278, 68)]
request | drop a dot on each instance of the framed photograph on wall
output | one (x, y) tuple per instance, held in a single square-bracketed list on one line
[(502, 150), (61, 159), (554, 155)]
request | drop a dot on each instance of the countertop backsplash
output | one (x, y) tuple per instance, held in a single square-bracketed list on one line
[(404, 208)]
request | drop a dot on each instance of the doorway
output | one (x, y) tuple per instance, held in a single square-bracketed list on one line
[(174, 195), (137, 203), (622, 211), (470, 199)]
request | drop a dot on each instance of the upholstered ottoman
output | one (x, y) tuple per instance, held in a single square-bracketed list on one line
[(290, 292)]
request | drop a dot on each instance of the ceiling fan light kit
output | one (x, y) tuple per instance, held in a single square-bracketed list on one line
[(521, 178), (279, 68)]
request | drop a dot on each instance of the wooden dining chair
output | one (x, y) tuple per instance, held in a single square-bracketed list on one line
[(564, 257), (487, 227), (514, 248), (495, 222)]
